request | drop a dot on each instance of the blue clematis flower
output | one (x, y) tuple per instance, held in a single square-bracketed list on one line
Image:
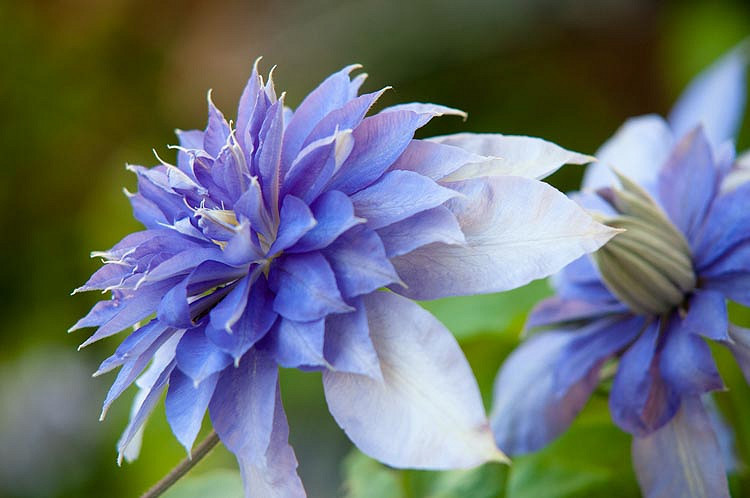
[(649, 298), (269, 245)]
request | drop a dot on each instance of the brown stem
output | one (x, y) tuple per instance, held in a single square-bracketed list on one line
[(203, 449)]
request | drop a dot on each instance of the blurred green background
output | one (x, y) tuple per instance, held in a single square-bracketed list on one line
[(88, 85)]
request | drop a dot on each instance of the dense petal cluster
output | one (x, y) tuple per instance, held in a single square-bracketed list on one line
[(649, 299), (270, 243)]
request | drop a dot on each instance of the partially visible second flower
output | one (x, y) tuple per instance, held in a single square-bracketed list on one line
[(650, 297), (270, 243)]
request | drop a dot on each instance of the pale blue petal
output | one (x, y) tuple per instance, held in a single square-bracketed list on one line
[(739, 345), (707, 315), (434, 225), (147, 404), (295, 344), (229, 310), (217, 130), (637, 150), (397, 196), (316, 164), (307, 288), (198, 358), (348, 347), (186, 404), (269, 155), (682, 458), (296, 221), (529, 157), (715, 99), (434, 160), (252, 326), (347, 117), (331, 94), (378, 142), (273, 474), (641, 401), (130, 310), (334, 212), (359, 261), (427, 411), (557, 310), (527, 414), (686, 362), (242, 406), (508, 242), (591, 346), (688, 182)]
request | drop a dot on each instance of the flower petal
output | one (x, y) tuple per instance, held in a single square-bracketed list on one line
[(641, 401), (186, 405), (146, 405), (130, 310), (739, 345), (348, 347), (331, 94), (334, 212), (359, 261), (557, 310), (198, 358), (296, 221), (269, 155), (727, 225), (682, 458), (378, 141), (591, 346), (688, 182), (307, 288), (294, 344), (132, 368), (526, 412), (715, 99), (637, 150), (434, 225), (427, 412), (433, 159), (686, 362), (316, 164), (217, 129), (273, 474), (529, 157), (398, 195), (507, 243), (254, 323), (242, 406), (349, 116), (707, 315)]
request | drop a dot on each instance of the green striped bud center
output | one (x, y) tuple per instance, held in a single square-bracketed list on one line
[(648, 266)]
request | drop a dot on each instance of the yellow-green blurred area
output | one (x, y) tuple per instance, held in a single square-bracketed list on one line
[(87, 86)]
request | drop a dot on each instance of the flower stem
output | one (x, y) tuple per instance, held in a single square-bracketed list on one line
[(203, 449)]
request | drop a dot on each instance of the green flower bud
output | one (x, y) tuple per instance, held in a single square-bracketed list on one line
[(648, 266)]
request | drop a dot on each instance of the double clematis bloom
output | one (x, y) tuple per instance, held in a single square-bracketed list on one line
[(273, 243), (649, 298)]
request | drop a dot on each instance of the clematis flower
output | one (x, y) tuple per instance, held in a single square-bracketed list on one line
[(648, 300), (271, 243)]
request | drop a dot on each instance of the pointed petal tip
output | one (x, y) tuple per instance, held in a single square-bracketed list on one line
[(353, 67)]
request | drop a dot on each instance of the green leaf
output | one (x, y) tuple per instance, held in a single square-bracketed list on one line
[(366, 478), (471, 315), (223, 483), (486, 481), (591, 459)]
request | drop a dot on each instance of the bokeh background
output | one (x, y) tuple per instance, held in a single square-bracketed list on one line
[(88, 85)]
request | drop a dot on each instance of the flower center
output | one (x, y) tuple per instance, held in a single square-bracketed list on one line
[(649, 266)]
